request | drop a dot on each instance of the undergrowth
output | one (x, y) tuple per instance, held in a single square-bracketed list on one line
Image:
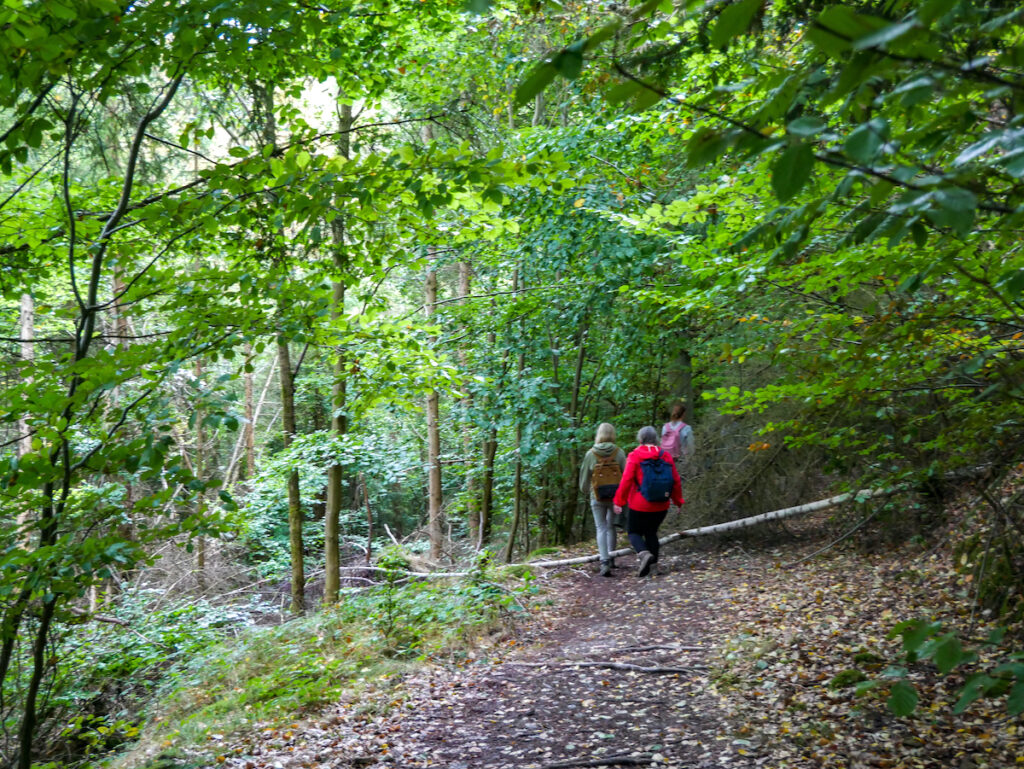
[(274, 674)]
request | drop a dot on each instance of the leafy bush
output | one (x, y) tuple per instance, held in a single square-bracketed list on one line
[(110, 673), (925, 640), (263, 523), (272, 673)]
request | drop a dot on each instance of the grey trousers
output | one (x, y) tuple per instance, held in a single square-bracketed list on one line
[(603, 524)]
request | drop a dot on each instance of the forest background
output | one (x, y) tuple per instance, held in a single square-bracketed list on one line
[(283, 282)]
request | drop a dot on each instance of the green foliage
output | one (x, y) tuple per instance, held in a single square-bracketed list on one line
[(387, 464), (271, 674), (146, 265), (923, 640), (847, 221), (109, 675), (846, 678)]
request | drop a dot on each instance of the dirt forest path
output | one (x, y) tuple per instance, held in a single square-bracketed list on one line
[(621, 673), (614, 673), (726, 658)]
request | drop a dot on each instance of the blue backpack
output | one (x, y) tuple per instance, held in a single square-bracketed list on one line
[(656, 479)]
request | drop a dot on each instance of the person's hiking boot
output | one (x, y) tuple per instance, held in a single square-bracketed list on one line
[(643, 564), (606, 569)]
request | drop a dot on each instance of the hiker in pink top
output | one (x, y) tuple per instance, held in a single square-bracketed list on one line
[(677, 437)]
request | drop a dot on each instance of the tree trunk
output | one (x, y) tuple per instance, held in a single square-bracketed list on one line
[(472, 512), (26, 326), (250, 418), (339, 420), (517, 492), (656, 406), (686, 388), (284, 367), (369, 518), (433, 431), (265, 104), (230, 473), (679, 375), (200, 466), (57, 491), (572, 455), (490, 449)]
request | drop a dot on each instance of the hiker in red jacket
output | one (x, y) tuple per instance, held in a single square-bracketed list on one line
[(650, 483)]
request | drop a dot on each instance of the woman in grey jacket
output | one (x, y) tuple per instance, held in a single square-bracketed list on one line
[(599, 477)]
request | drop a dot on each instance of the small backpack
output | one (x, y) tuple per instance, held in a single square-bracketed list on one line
[(672, 440), (656, 480), (606, 476)]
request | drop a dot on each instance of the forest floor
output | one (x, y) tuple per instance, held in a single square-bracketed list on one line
[(723, 658)]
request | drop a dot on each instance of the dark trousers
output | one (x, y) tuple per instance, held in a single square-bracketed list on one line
[(643, 531)]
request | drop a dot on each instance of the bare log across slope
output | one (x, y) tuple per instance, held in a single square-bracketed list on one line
[(742, 523)]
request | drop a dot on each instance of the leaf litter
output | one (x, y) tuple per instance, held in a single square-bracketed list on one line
[(723, 659)]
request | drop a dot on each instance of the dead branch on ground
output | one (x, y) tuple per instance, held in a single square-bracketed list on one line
[(636, 759), (609, 666)]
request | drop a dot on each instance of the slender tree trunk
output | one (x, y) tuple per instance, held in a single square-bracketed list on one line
[(55, 494), (572, 498), (250, 418), (433, 432), (369, 518), (200, 467), (490, 449), (339, 420), (229, 474), (284, 368), (577, 379), (656, 394), (29, 721), (472, 511), (517, 493), (27, 333), (686, 389), (265, 103)]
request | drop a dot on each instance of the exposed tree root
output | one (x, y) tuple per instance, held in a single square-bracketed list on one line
[(608, 665), (656, 647), (638, 759)]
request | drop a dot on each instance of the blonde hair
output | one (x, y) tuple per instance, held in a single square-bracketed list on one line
[(605, 433)]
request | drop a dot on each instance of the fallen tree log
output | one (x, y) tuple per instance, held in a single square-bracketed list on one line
[(742, 523)]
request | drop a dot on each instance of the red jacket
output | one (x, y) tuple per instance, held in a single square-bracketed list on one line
[(629, 486)]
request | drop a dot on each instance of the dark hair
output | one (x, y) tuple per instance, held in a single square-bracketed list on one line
[(647, 435), (678, 412)]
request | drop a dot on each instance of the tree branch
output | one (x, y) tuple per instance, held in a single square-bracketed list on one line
[(828, 159), (633, 759), (609, 666)]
